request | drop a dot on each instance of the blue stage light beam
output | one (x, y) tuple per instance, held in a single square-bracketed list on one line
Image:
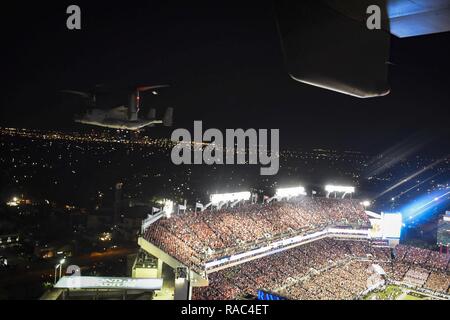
[(415, 186), (424, 204), (398, 184)]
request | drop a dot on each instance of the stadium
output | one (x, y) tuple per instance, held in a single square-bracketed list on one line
[(289, 246)]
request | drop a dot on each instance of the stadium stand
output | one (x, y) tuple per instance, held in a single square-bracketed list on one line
[(306, 273), (331, 267), (196, 237)]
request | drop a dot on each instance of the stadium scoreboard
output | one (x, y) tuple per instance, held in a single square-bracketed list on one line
[(391, 225)]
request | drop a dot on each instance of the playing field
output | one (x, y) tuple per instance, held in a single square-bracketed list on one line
[(394, 292)]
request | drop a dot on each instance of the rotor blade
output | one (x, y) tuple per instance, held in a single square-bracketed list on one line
[(146, 88), (78, 93)]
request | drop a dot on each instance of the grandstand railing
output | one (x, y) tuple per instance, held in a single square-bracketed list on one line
[(284, 244), (150, 219), (245, 247)]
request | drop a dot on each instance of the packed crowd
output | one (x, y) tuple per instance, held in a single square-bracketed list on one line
[(317, 270), (194, 237), (343, 282), (416, 276), (328, 269), (428, 259), (322, 269), (438, 281)]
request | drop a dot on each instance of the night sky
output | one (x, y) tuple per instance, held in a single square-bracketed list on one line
[(224, 62)]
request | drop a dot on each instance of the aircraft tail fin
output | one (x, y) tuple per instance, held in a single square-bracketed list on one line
[(168, 117), (151, 114), (133, 107)]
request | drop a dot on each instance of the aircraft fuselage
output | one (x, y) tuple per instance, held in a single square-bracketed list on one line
[(119, 124)]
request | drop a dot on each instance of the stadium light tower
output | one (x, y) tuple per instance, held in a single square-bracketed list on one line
[(220, 199), (226, 197), (168, 208), (365, 203), (341, 189), (288, 193), (59, 265)]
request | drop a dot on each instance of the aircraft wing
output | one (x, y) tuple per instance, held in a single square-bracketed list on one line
[(409, 18), (327, 43), (406, 18)]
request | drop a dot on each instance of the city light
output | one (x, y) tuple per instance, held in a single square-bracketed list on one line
[(105, 236), (13, 202)]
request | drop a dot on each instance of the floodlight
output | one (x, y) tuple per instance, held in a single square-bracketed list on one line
[(168, 207), (366, 203), (226, 197), (346, 189), (290, 192)]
